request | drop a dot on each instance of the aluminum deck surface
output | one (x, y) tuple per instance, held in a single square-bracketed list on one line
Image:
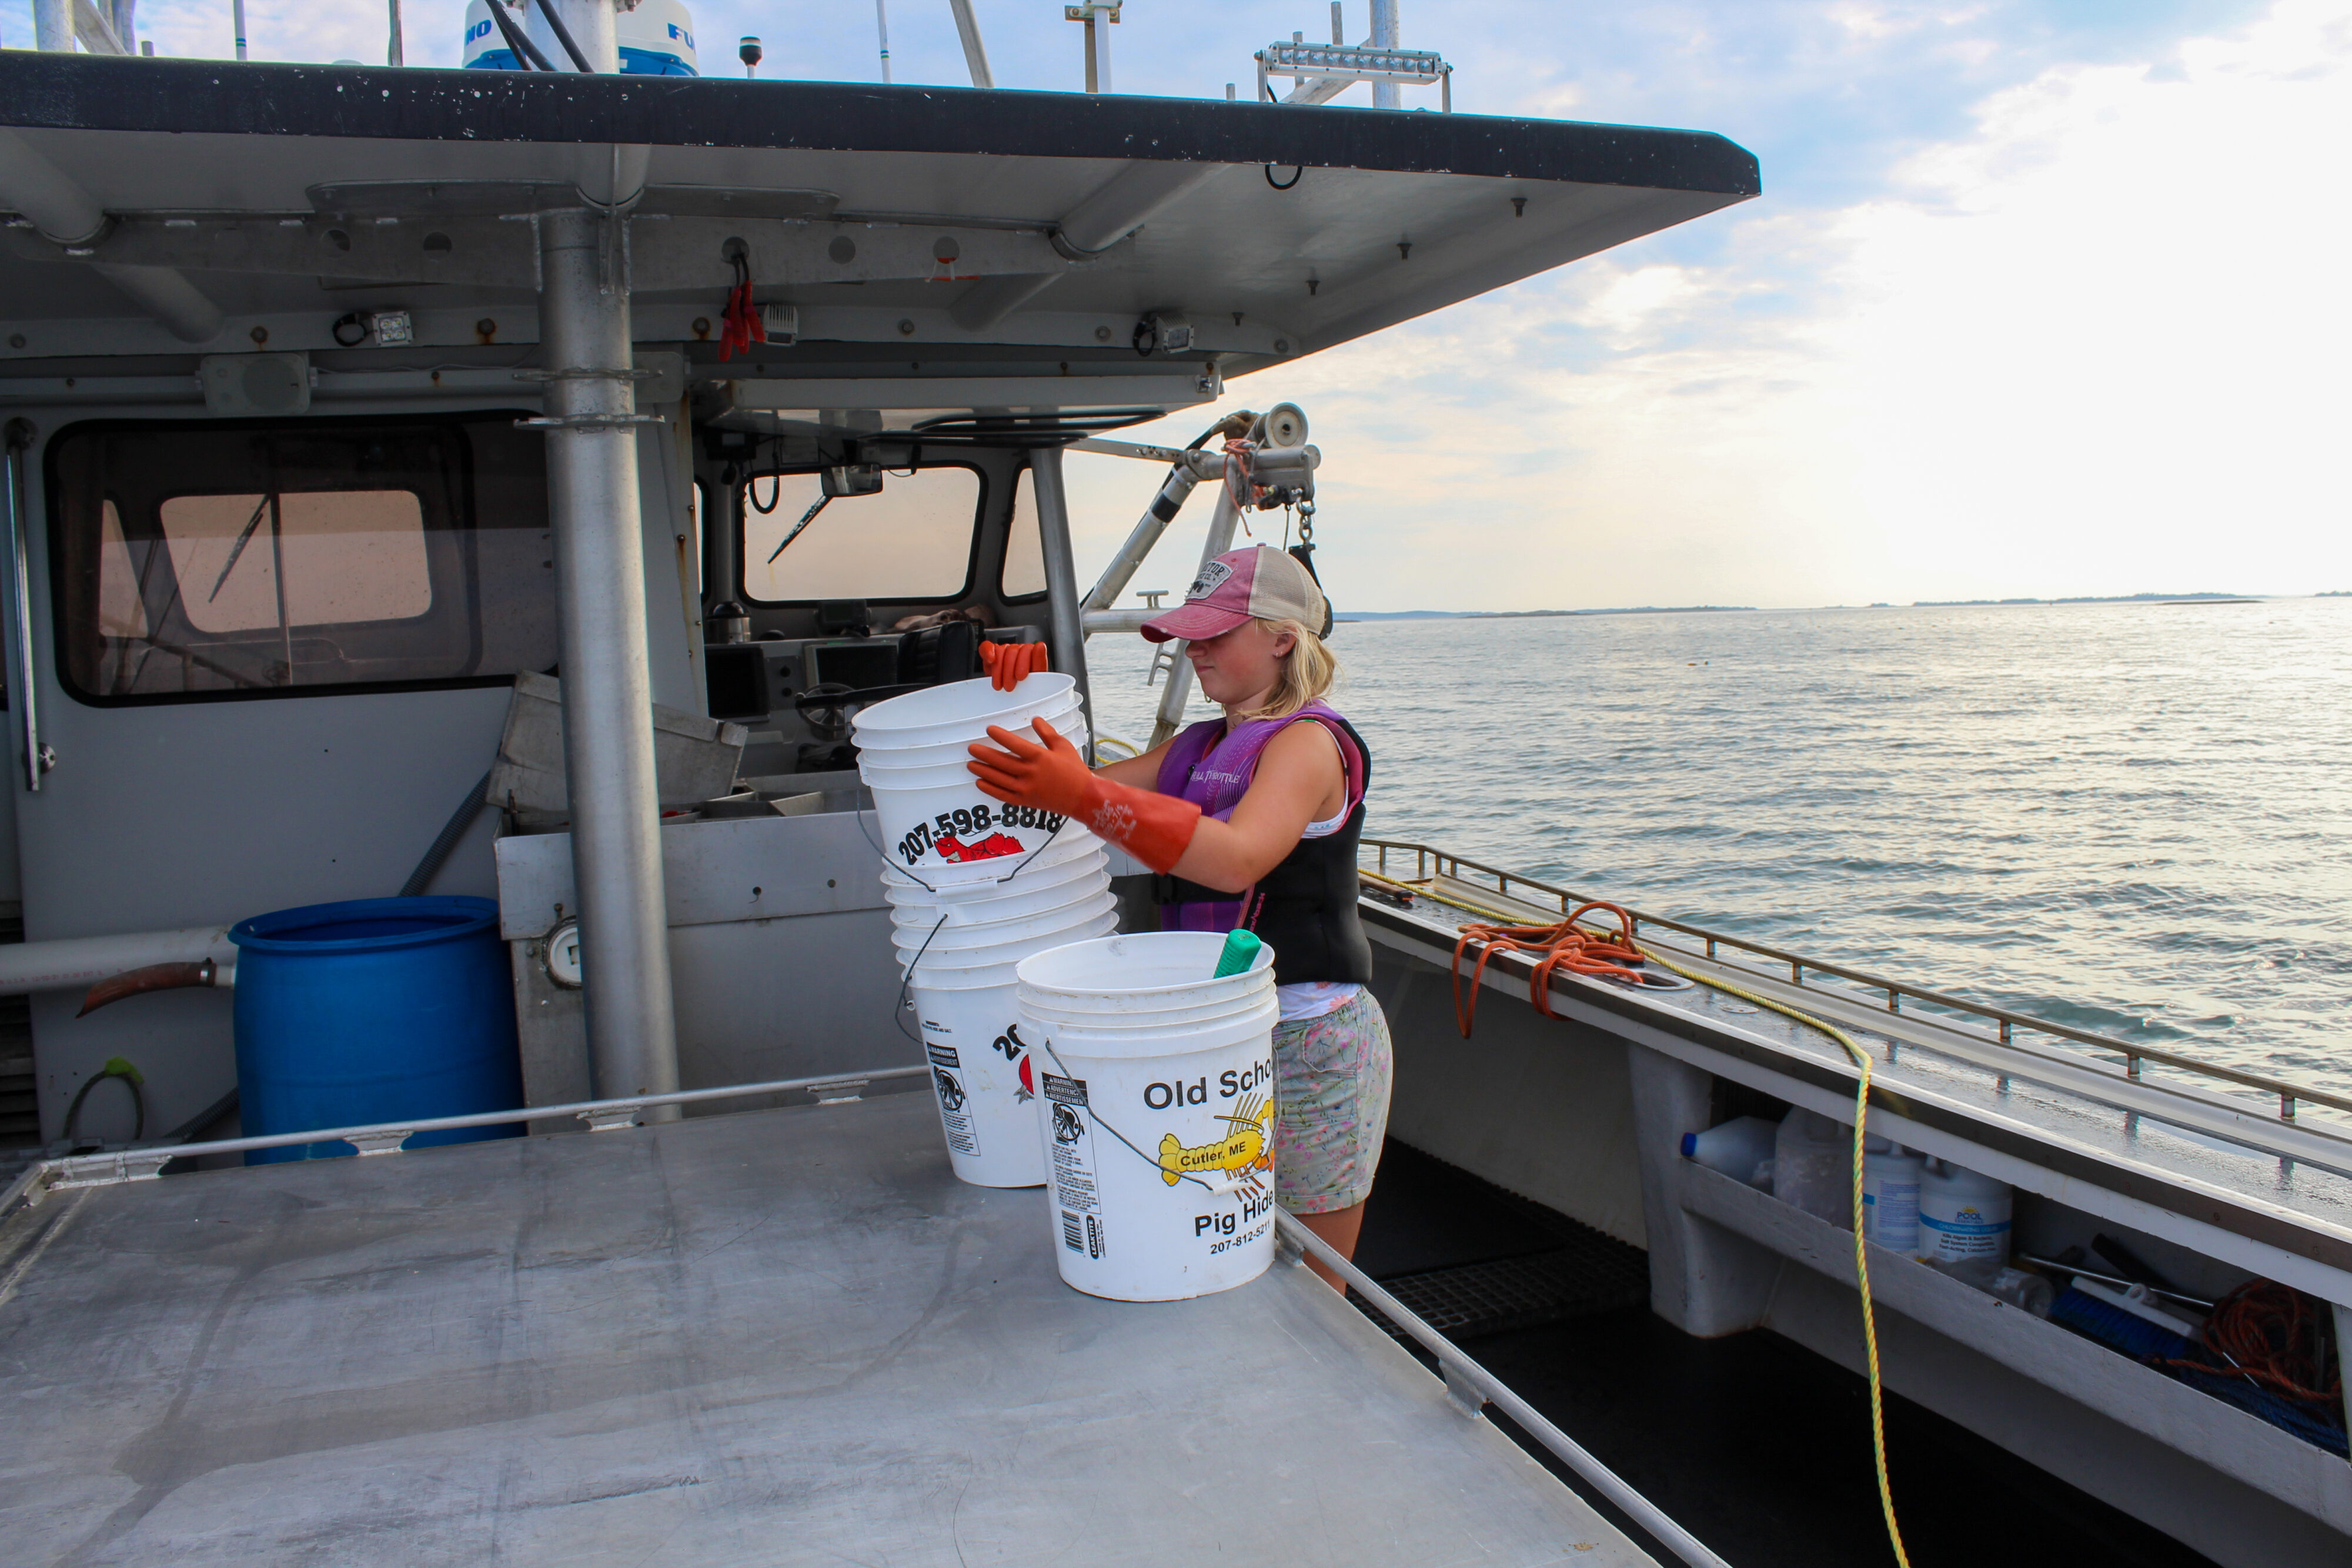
[(781, 1336)]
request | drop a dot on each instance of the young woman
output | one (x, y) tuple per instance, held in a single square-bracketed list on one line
[(1252, 821)]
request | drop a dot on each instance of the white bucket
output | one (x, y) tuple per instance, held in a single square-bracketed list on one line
[(984, 1083), (1132, 1036), (1072, 845), (1152, 971), (1082, 904), (999, 955), (949, 835), (958, 710), (936, 823), (1158, 1138), (1144, 1023), (1027, 893), (1063, 719)]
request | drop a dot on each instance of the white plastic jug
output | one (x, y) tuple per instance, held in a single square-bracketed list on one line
[(1890, 1197), (1964, 1217), (1736, 1147), (1813, 1166)]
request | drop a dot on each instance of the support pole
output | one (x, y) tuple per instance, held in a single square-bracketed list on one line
[(590, 23), (18, 439), (1063, 621), (1179, 689), (1099, 48), (882, 29), (396, 54), (236, 10), (53, 25), (1384, 36), (608, 734)]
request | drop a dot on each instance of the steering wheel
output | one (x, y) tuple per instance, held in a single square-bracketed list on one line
[(827, 705)]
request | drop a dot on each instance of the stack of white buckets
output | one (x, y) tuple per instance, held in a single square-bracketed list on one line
[(1115, 1068), (974, 887)]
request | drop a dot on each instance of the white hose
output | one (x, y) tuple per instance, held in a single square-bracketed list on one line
[(80, 962)]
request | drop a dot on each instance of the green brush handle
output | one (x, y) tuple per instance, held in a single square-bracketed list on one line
[(1241, 952)]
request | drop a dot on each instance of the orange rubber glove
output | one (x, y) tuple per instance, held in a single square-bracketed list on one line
[(1155, 828), (1008, 664)]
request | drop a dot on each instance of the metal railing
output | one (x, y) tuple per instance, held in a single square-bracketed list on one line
[(145, 1162), (1429, 861)]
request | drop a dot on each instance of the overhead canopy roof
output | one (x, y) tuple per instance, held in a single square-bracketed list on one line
[(964, 208)]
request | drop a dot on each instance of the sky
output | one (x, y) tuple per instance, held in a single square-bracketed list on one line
[(2041, 299)]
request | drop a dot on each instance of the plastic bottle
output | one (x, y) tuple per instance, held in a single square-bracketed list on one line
[(2019, 1288), (1813, 1166), (1734, 1148), (1963, 1218), (1890, 1197)]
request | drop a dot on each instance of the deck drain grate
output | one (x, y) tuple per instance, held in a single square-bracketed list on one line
[(1590, 1275)]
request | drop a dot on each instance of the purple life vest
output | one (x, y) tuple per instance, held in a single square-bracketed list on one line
[(1211, 766)]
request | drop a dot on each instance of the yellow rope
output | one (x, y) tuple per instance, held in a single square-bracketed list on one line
[(1861, 1249), (1860, 1114)]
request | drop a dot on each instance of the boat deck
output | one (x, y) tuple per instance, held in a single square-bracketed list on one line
[(786, 1335)]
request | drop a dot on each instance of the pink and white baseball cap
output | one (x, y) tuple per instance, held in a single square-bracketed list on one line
[(1255, 583)]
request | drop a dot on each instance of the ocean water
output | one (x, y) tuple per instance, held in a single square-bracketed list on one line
[(2135, 819)]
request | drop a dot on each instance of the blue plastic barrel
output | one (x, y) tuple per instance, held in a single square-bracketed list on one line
[(377, 1010)]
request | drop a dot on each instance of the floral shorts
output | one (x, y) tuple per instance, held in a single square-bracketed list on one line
[(1332, 1076)]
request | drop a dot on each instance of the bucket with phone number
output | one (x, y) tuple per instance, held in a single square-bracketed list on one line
[(937, 827)]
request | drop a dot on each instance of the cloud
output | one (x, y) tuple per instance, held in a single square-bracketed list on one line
[(2090, 345), (2040, 297)]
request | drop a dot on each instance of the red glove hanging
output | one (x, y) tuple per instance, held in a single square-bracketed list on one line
[(740, 326), (1155, 828), (1010, 663)]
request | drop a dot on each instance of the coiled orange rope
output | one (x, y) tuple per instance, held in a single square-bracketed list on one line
[(1564, 946), (2270, 1335)]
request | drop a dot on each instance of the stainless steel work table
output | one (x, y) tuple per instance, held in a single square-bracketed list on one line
[(781, 1336)]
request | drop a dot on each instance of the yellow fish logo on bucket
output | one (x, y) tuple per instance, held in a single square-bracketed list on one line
[(1248, 1146)]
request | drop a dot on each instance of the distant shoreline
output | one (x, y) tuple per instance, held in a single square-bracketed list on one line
[(1531, 614), (2199, 598)]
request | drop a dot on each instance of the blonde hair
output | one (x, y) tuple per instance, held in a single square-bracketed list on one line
[(1308, 671)]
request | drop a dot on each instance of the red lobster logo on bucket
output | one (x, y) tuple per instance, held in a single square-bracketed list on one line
[(950, 834)]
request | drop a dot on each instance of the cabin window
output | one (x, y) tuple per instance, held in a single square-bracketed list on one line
[(233, 559), (315, 558), (1025, 546), (912, 541)]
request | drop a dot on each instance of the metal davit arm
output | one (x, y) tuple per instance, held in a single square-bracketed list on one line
[(1179, 689)]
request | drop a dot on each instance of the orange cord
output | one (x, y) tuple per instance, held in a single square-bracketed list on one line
[(2269, 1335), (1563, 946)]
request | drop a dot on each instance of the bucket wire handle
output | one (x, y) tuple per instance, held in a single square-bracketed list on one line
[(1048, 1046), (907, 984)]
